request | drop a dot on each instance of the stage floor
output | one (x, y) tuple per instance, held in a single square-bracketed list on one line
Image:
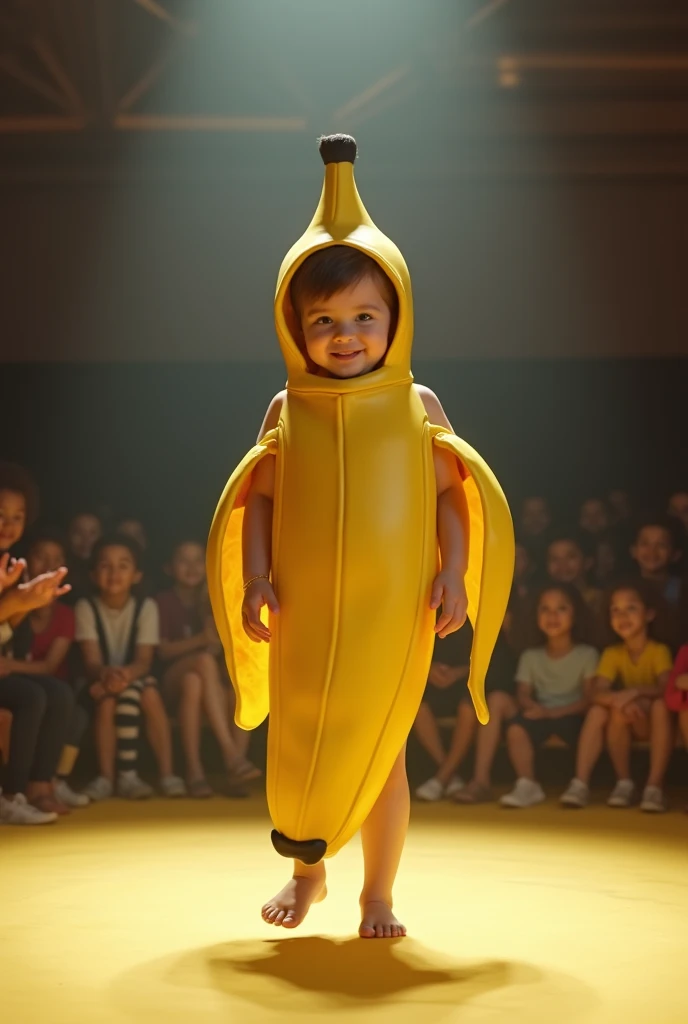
[(151, 912)]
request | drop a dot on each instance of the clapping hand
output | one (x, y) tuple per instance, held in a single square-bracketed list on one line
[(11, 570), (42, 590)]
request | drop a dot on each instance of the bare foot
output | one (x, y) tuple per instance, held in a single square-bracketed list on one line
[(379, 922), (291, 904)]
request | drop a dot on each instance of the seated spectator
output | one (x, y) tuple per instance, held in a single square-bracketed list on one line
[(594, 518), (41, 706), (534, 529), (85, 528), (192, 679), (676, 695), (18, 504), (628, 702), (553, 683), (569, 561), (657, 551), (678, 507), (611, 558), (134, 528), (118, 635)]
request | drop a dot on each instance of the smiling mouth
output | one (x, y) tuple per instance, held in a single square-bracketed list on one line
[(345, 356)]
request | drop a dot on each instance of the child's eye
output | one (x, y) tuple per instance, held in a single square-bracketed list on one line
[(364, 316), (324, 320)]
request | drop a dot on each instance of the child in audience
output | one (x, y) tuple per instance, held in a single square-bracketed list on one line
[(18, 504), (678, 507), (85, 528), (656, 550), (534, 528), (192, 677), (118, 635), (594, 518), (569, 561), (135, 529), (554, 682), (628, 702), (498, 683), (676, 695)]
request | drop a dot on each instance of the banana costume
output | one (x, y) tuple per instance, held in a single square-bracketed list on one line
[(355, 552)]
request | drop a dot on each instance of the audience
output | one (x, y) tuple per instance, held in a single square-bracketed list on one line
[(142, 661)]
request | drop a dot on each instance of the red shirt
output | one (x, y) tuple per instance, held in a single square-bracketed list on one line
[(177, 622), (61, 625), (677, 699)]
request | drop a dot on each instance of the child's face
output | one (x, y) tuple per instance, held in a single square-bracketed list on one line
[(348, 334), (188, 565), (12, 518), (653, 549), (555, 614), (116, 572), (136, 530), (565, 562), (45, 556), (620, 503), (593, 516), (628, 615), (535, 516), (678, 507), (84, 531)]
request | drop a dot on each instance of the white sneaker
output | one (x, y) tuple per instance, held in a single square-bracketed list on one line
[(622, 794), (66, 795), (525, 793), (455, 785), (20, 812), (577, 795), (99, 788), (430, 791), (172, 786), (653, 800), (131, 787)]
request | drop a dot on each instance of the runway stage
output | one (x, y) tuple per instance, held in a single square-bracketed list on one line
[(150, 912)]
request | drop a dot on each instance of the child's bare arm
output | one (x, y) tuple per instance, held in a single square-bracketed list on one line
[(169, 650), (93, 660), (524, 697), (58, 651), (141, 665)]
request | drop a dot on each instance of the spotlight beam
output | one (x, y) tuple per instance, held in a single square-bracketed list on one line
[(51, 62), (157, 10), (13, 69), (484, 13)]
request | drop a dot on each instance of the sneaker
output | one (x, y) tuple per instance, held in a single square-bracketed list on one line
[(131, 787), (66, 795), (622, 795), (430, 791), (454, 786), (172, 786), (525, 793), (99, 789), (653, 800), (577, 795), (20, 812)]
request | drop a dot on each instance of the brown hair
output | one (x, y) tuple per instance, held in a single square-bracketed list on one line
[(335, 268), (583, 630), (20, 481)]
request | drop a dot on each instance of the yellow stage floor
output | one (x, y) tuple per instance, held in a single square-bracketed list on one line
[(151, 912)]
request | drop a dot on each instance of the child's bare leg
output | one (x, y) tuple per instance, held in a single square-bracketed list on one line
[(157, 728), (428, 733), (502, 707), (106, 739), (190, 723), (291, 904), (521, 752), (591, 742), (619, 741), (464, 733), (661, 742), (383, 834), (215, 707)]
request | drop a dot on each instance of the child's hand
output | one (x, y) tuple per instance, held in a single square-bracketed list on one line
[(438, 674), (633, 712), (115, 680), (97, 690), (258, 594), (43, 590), (623, 698), (535, 713), (11, 570), (449, 590)]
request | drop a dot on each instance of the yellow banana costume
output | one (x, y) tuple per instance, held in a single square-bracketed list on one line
[(355, 552)]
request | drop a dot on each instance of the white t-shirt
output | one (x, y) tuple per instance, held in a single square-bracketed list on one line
[(557, 681), (117, 625)]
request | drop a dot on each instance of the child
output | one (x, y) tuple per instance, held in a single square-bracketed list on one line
[(365, 489), (568, 561), (678, 508), (189, 648), (85, 528), (676, 695), (657, 548), (118, 637), (594, 517), (535, 527), (18, 504), (640, 667), (553, 684), (499, 687), (41, 647)]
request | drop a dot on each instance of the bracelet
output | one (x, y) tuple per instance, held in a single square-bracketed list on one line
[(260, 576)]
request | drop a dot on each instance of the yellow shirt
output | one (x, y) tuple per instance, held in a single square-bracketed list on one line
[(616, 665)]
